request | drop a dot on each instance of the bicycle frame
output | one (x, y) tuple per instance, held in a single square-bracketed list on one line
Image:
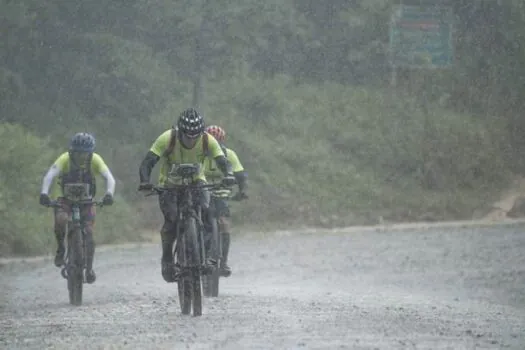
[(186, 209), (74, 272), (76, 221), (189, 249)]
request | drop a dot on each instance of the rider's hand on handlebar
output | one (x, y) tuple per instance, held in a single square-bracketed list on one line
[(108, 199), (145, 187), (45, 200), (228, 180)]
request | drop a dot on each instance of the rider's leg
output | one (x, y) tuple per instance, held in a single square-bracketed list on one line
[(168, 206), (207, 217), (88, 213), (223, 211), (224, 229), (61, 218)]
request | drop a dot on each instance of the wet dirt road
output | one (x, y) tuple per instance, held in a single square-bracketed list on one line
[(435, 289)]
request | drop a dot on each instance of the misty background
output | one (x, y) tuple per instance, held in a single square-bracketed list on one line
[(302, 87)]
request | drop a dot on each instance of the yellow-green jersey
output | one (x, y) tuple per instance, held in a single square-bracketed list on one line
[(214, 175), (206, 147), (78, 173)]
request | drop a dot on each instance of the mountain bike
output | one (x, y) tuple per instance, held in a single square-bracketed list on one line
[(189, 255), (76, 195)]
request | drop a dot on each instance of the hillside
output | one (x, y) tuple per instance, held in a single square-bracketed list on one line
[(306, 105)]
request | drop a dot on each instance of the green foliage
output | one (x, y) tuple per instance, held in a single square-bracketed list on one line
[(22, 166), (301, 86), (314, 151)]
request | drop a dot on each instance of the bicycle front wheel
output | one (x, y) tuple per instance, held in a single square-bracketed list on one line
[(75, 273), (189, 259)]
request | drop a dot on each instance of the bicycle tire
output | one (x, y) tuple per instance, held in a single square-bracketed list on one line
[(75, 273), (189, 285)]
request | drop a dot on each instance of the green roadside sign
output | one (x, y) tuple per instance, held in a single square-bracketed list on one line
[(421, 36)]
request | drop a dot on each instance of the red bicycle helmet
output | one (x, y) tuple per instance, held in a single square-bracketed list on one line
[(217, 132)]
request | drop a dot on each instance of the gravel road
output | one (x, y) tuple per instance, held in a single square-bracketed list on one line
[(433, 289)]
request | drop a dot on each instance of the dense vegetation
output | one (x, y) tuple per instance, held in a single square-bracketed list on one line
[(300, 85)]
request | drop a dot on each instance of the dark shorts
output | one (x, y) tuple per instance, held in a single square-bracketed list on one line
[(88, 212), (220, 206), (63, 216)]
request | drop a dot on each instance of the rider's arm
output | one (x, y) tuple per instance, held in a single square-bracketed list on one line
[(147, 166), (58, 166), (152, 157), (99, 167), (224, 165), (241, 177), (110, 181), (240, 174), (216, 153), (53, 172)]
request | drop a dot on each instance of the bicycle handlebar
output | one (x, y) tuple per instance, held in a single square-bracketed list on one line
[(155, 190), (57, 204)]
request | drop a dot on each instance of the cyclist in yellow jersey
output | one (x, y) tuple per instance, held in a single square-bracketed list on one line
[(79, 164), (187, 142), (218, 197)]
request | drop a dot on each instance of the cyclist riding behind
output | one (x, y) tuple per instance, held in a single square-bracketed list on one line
[(187, 142), (219, 196), (79, 164)]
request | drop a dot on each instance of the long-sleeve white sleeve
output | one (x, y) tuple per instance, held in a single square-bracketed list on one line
[(48, 179), (110, 181)]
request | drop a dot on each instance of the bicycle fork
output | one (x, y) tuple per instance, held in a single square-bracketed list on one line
[(183, 270), (67, 266)]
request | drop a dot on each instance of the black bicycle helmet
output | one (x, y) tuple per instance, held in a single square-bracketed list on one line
[(82, 142), (191, 123)]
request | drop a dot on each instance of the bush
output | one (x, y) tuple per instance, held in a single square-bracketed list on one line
[(23, 160), (335, 150)]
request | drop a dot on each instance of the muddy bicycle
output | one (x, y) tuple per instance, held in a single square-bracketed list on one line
[(189, 251), (76, 195)]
